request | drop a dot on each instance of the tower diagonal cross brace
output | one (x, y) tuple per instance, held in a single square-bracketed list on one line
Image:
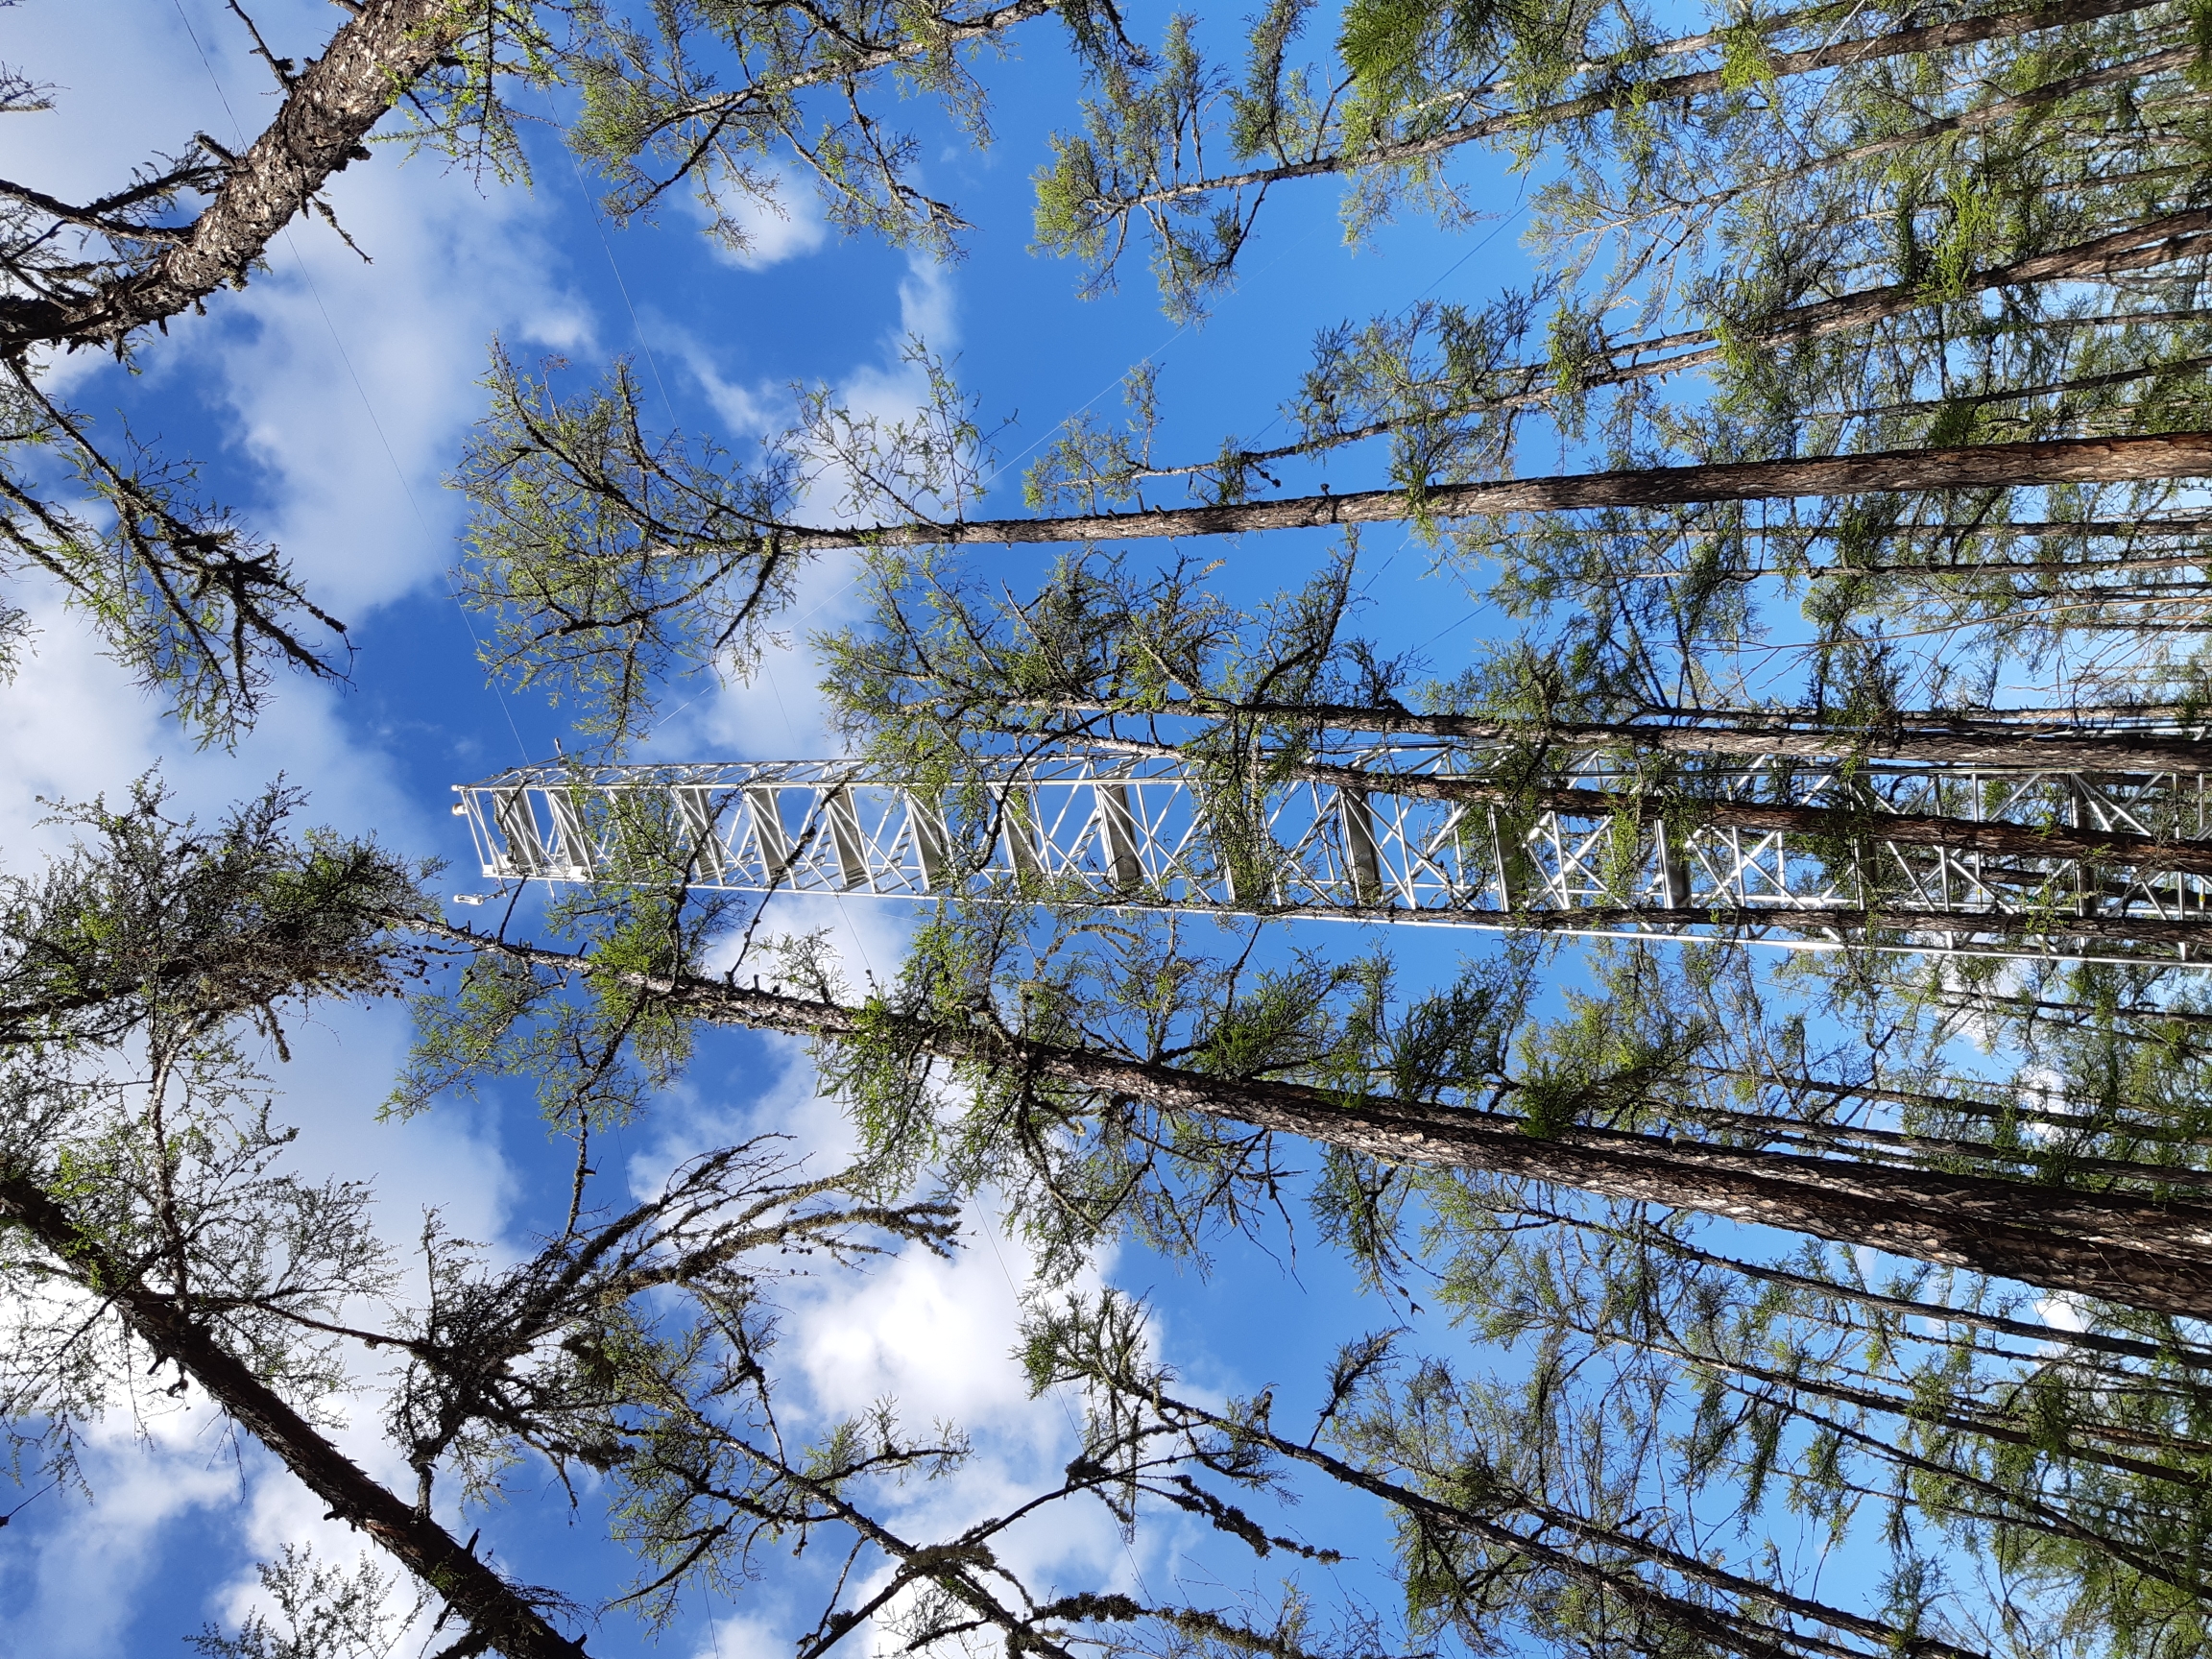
[(1430, 835)]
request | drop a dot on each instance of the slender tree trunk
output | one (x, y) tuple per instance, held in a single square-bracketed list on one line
[(2039, 566), (933, 35), (1845, 1136), (1958, 743), (2040, 528), (331, 105), (2015, 1508), (2144, 458), (1730, 1632), (1982, 115), (2134, 1128), (493, 1609), (1995, 839), (2149, 1253), (1935, 1312), (1988, 1427), (2155, 242), (2081, 1015), (1837, 928), (1638, 94), (2140, 247), (1906, 829), (2147, 369)]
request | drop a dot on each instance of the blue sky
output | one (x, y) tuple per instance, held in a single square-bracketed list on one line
[(326, 402)]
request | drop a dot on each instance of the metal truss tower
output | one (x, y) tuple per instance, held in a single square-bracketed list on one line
[(1111, 830)]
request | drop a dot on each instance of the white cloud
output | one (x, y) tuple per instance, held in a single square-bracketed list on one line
[(2062, 1314), (73, 1583), (934, 1339), (347, 384), (937, 1336), (748, 414), (355, 385), (72, 727), (894, 388), (352, 385), (742, 1638), (926, 302), (782, 221), (778, 711), (342, 1063)]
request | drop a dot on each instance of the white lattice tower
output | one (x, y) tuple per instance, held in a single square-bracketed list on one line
[(1112, 830)]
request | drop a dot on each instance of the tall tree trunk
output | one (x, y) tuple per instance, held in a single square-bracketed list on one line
[(1667, 88), (1907, 828), (2079, 1015), (2151, 1254), (2090, 1122), (2092, 566), (1834, 1136), (328, 112), (2133, 248), (1935, 1312), (1963, 741), (1989, 1424), (864, 54), (2152, 457), (1727, 1631), (2155, 242), (1996, 839), (1836, 927), (495, 1613)]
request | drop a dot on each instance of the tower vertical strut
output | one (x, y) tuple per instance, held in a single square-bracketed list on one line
[(2017, 862)]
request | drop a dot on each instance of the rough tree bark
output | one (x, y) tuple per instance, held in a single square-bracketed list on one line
[(1834, 927), (1669, 89), (326, 113), (2144, 246), (1950, 742), (1965, 466), (1910, 829), (497, 1615), (2145, 1252)]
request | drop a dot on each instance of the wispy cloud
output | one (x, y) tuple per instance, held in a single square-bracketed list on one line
[(782, 222)]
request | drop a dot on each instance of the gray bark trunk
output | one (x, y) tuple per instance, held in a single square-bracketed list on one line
[(2141, 247), (1907, 828), (2145, 1252), (1967, 467), (331, 106), (1957, 743), (1869, 49), (491, 1608), (1839, 927)]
